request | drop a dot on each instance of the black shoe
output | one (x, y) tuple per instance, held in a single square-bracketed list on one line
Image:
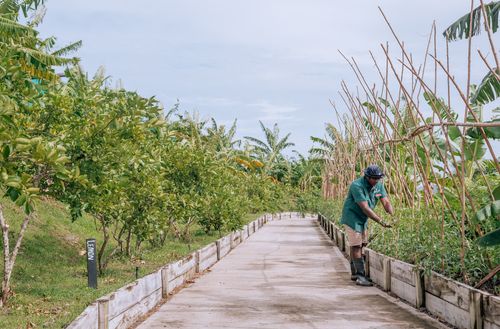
[(363, 281)]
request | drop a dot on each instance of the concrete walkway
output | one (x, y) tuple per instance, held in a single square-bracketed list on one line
[(287, 275)]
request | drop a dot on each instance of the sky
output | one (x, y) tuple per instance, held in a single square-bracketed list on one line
[(276, 61)]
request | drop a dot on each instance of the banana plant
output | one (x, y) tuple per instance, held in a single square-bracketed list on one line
[(489, 88), (490, 212)]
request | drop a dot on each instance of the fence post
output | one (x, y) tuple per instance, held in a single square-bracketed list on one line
[(418, 275), (102, 311), (197, 259), (164, 281), (386, 274), (342, 241), (217, 243), (367, 262), (476, 319)]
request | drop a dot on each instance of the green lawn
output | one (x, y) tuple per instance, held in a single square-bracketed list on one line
[(49, 280)]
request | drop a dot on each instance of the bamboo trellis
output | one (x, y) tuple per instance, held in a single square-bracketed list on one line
[(423, 161)]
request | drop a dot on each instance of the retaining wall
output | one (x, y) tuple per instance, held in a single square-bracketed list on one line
[(123, 307), (456, 303)]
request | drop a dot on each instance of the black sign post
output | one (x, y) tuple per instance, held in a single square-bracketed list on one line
[(91, 263)]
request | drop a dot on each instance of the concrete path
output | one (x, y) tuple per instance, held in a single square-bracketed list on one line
[(287, 275)]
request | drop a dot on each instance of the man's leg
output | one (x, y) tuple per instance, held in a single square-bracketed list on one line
[(357, 261)]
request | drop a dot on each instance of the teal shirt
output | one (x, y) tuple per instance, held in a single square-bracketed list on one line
[(360, 190)]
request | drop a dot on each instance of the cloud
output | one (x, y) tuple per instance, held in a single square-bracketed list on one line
[(272, 113)]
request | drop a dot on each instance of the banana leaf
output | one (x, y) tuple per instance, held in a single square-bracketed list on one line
[(490, 239), (488, 90), (490, 210), (491, 132), (496, 193), (461, 28)]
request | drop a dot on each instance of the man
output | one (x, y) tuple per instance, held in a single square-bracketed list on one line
[(362, 198)]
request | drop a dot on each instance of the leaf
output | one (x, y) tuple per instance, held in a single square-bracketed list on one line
[(6, 152), (384, 102), (475, 150), (461, 28), (439, 107), (488, 90), (490, 210), (490, 239), (453, 132), (370, 107), (490, 132), (496, 193)]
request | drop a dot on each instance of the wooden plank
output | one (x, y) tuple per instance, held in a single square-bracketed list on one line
[(127, 318), (452, 291), (208, 251), (181, 279), (376, 260), (377, 276), (403, 290), (402, 271), (491, 305), (87, 319), (208, 262), (234, 239), (490, 325), (448, 312), (182, 266), (127, 296), (225, 245)]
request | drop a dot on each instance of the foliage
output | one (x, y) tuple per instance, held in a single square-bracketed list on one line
[(462, 28), (142, 175)]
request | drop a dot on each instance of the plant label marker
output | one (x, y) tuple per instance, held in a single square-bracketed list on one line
[(91, 263)]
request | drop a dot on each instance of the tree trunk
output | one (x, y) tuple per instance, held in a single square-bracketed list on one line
[(100, 256), (129, 238), (8, 257)]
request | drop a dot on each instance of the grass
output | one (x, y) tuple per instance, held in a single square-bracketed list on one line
[(49, 280)]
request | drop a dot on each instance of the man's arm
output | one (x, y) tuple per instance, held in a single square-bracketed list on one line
[(387, 205), (370, 213)]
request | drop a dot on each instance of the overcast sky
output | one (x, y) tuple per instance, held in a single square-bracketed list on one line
[(269, 60)]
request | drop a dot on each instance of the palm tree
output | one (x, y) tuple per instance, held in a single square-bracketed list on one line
[(326, 145), (223, 141), (270, 149)]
